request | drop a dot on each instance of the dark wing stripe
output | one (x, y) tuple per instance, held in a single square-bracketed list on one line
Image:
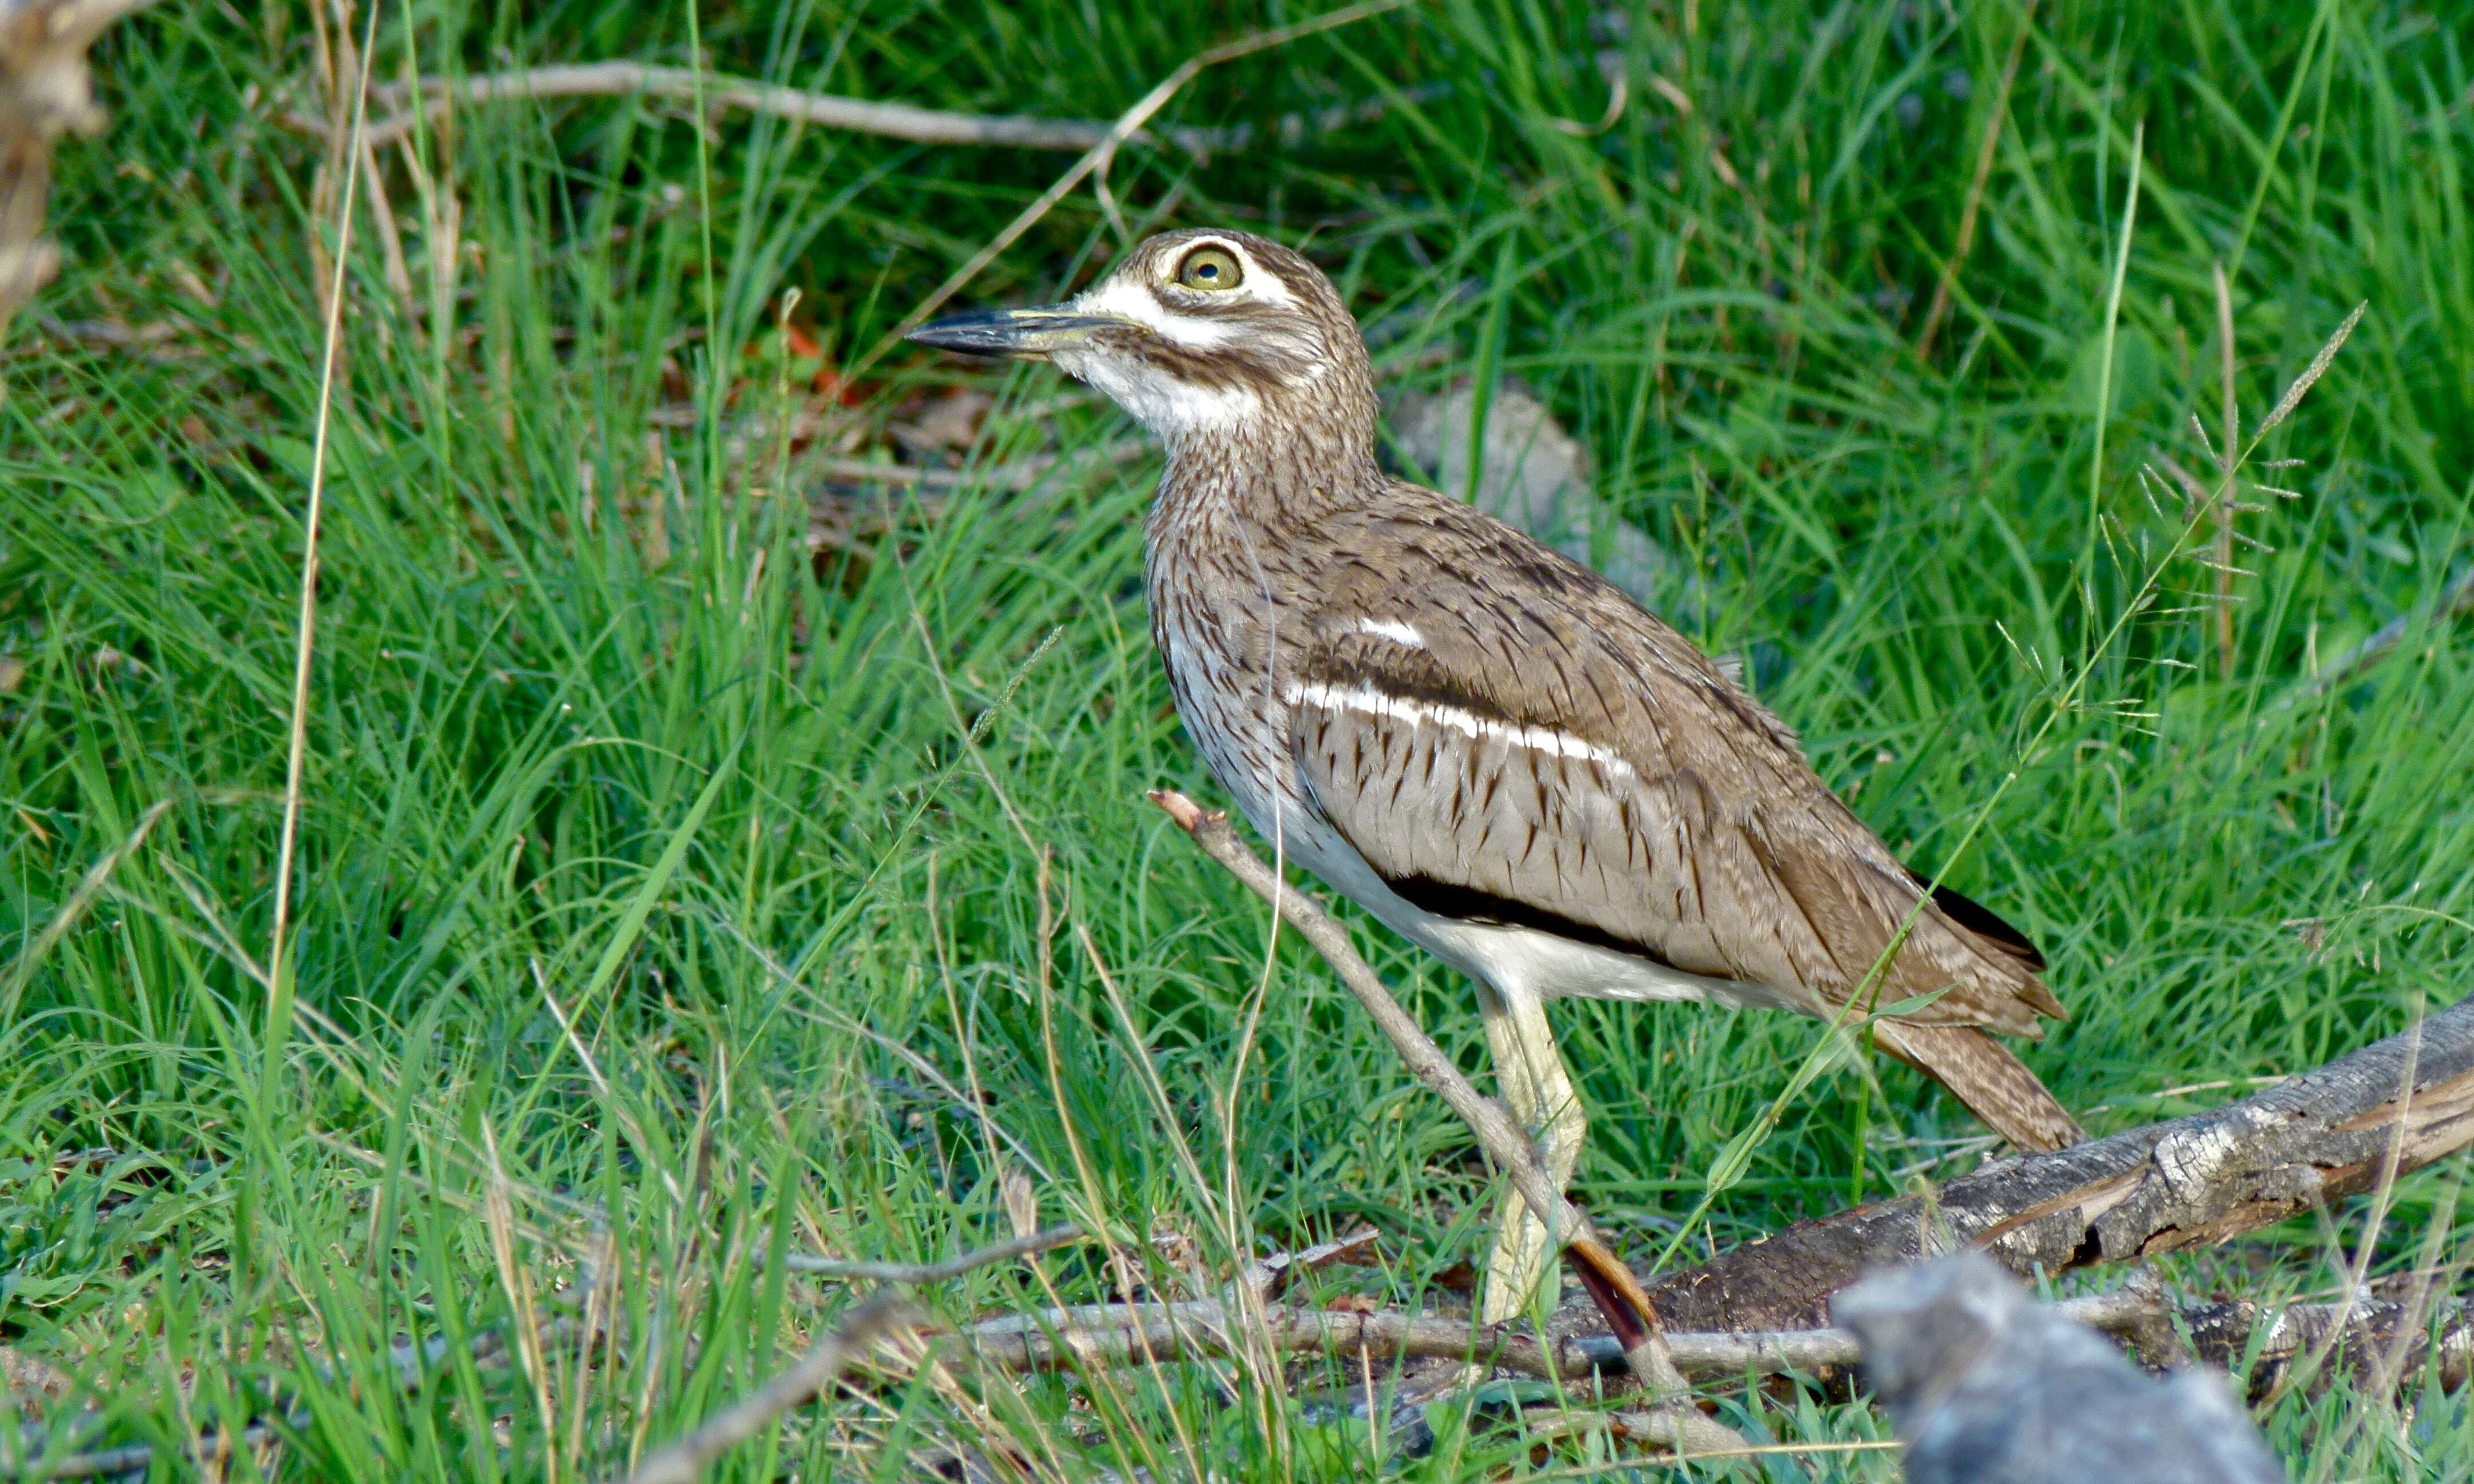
[(1983, 921), (1473, 904)]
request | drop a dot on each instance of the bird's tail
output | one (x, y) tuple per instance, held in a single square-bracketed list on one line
[(1980, 1072)]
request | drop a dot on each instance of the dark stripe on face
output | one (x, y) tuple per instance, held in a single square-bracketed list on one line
[(1261, 366)]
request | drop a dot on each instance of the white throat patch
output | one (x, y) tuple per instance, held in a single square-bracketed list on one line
[(1175, 409)]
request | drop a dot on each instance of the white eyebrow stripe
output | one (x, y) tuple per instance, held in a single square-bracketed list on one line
[(1393, 630), (1367, 701), (1267, 285), (1133, 301)]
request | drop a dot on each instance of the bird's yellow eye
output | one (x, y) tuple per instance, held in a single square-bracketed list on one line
[(1210, 268)]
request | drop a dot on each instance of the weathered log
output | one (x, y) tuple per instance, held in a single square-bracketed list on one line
[(2363, 1339), (2189, 1183)]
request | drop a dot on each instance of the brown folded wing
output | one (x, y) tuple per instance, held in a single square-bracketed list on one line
[(1509, 737)]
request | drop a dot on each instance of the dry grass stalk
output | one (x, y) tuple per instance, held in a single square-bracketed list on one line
[(1967, 216), (278, 1005), (2228, 463), (685, 1461)]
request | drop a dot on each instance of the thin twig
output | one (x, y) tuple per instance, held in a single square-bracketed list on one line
[(746, 95), (1124, 1334), (1127, 124), (685, 1461), (1609, 1282), (914, 1273), (2456, 601), (828, 110)]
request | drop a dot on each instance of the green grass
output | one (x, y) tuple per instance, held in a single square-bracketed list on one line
[(823, 863)]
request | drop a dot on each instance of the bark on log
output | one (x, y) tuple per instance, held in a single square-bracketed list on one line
[(2193, 1181), (2361, 1339)]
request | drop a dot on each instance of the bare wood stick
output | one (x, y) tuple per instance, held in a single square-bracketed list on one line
[(2221, 1333), (2456, 601), (2188, 1183), (933, 1272), (45, 92), (680, 85), (1270, 1276), (1127, 124), (1200, 1328), (1612, 1286), (440, 96), (685, 1461)]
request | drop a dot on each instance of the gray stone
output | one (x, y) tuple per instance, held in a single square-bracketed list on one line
[(1988, 1388)]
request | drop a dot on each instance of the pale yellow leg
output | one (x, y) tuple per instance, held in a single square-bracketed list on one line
[(1530, 1076)]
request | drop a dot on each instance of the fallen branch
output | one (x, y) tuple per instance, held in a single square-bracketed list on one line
[(2359, 1338), (1108, 1335), (684, 84), (1611, 1285), (1099, 156), (2189, 1183), (685, 1461), (904, 121), (2456, 601), (933, 1272), (45, 92)]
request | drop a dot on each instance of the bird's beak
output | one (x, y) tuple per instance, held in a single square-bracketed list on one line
[(1019, 334)]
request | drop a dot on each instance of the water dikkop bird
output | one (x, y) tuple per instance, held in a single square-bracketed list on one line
[(1484, 744)]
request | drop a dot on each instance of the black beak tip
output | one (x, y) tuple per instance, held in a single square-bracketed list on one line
[(988, 334)]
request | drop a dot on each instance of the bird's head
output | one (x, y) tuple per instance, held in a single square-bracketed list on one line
[(1205, 336)]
